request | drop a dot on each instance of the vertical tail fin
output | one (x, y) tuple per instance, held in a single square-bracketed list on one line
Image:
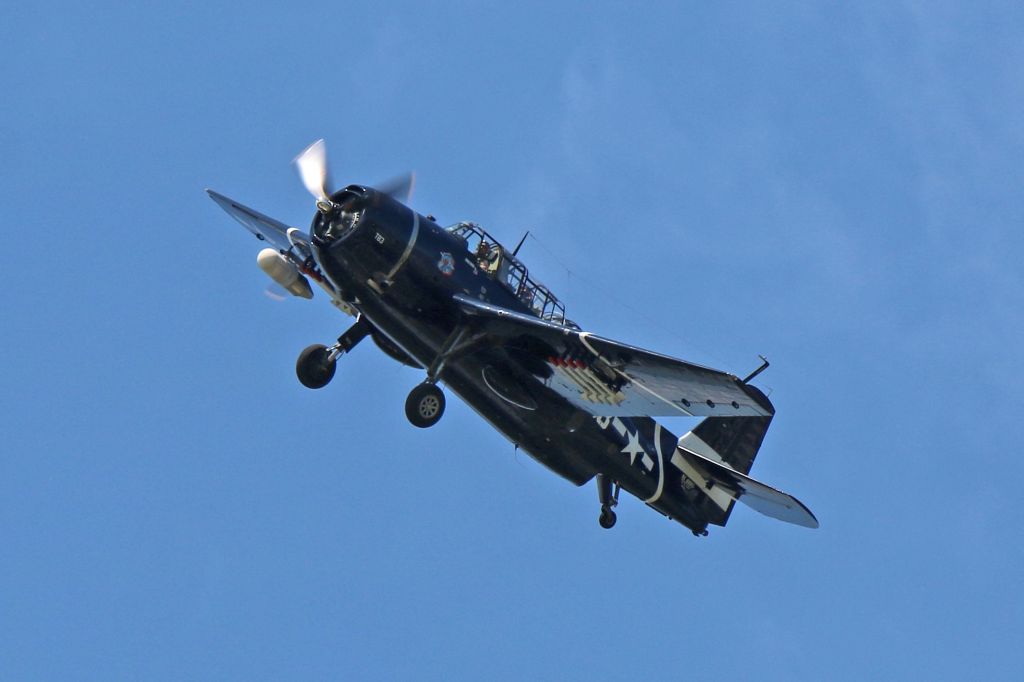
[(733, 440)]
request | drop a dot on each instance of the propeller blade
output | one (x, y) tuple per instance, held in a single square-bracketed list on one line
[(312, 165), (276, 292), (399, 188)]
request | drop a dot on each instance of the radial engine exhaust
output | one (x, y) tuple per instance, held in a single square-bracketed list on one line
[(284, 272)]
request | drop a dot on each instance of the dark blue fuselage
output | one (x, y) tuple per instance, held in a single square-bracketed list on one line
[(400, 270)]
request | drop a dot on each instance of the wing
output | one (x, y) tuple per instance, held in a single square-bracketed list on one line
[(264, 227), (608, 378)]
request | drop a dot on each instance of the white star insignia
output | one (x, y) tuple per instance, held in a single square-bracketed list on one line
[(633, 447)]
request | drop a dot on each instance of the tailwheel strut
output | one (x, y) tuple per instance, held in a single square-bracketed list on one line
[(608, 494)]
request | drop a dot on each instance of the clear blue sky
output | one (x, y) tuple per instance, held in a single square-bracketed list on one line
[(839, 188)]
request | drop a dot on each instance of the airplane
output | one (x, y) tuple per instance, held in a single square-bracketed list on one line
[(455, 304)]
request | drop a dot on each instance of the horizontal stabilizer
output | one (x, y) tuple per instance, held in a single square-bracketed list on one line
[(753, 493)]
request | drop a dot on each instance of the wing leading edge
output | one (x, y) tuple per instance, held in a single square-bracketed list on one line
[(612, 379), (264, 227)]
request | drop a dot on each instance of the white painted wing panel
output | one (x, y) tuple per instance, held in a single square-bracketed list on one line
[(650, 384)]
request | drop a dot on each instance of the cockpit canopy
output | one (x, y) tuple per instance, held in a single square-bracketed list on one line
[(500, 264)]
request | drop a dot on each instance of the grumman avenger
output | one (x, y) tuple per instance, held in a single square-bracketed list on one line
[(458, 306)]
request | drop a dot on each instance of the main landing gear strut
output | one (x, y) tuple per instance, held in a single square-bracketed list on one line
[(317, 363), (425, 405), (608, 494)]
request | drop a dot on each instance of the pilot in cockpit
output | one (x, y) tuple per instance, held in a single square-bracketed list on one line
[(488, 257)]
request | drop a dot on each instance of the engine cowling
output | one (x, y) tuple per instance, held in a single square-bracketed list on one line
[(284, 272)]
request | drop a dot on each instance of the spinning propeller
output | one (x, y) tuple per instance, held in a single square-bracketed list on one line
[(312, 166)]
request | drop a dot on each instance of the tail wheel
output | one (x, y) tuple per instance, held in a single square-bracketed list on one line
[(425, 405), (315, 368)]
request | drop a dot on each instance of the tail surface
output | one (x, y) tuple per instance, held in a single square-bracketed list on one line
[(719, 453), (734, 440)]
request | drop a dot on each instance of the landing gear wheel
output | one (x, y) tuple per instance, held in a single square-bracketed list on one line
[(608, 494), (314, 367), (425, 405), (607, 518)]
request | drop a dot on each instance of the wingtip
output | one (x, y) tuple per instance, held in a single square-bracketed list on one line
[(219, 198)]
